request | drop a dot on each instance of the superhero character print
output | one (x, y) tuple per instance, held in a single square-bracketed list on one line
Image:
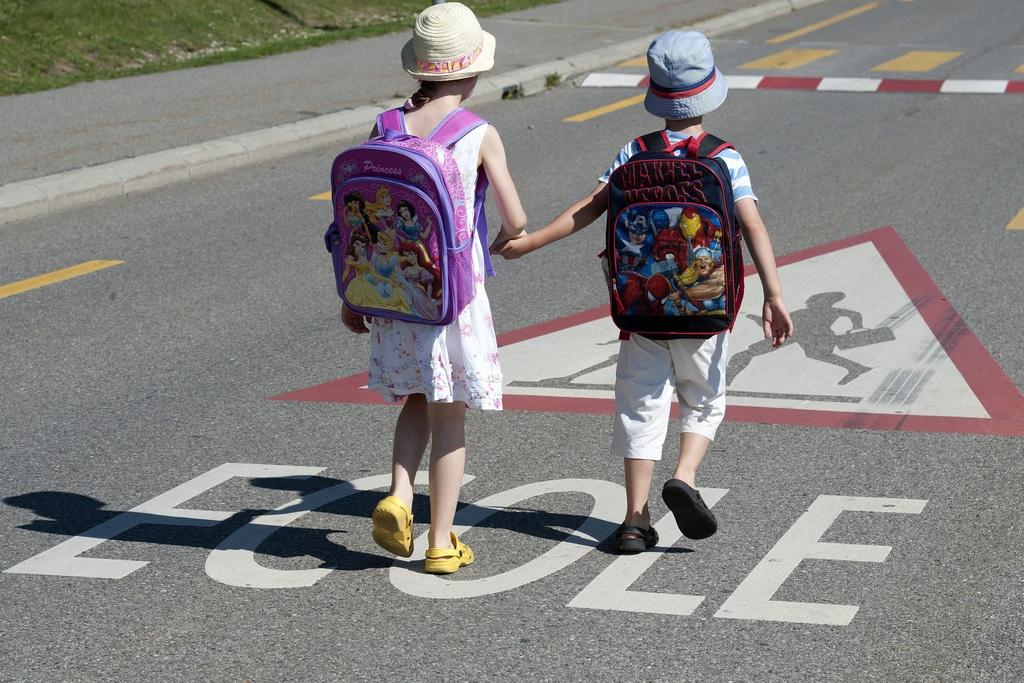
[(702, 284), (646, 295), (670, 261), (634, 237)]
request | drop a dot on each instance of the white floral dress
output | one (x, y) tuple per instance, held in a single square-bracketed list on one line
[(457, 362)]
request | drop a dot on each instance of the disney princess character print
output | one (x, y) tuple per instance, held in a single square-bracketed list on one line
[(391, 259)]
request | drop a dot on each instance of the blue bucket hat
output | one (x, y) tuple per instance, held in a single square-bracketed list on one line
[(684, 80)]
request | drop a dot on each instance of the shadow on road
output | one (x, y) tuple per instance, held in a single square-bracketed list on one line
[(73, 514)]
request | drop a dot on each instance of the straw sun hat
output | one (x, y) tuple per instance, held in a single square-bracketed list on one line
[(447, 44)]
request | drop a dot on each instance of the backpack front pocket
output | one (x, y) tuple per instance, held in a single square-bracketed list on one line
[(667, 260), (392, 251)]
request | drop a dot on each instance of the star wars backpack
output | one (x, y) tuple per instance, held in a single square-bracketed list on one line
[(402, 237), (674, 259)]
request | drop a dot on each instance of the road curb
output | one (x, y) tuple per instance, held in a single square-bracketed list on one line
[(60, 191)]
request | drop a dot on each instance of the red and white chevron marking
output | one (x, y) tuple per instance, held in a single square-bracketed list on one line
[(831, 84)]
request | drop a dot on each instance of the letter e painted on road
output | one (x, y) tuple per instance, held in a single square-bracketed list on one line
[(752, 598), (64, 560)]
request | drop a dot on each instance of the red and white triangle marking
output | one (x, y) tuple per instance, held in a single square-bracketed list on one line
[(877, 346)]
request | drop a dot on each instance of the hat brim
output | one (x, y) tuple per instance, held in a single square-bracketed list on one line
[(483, 62), (689, 107)]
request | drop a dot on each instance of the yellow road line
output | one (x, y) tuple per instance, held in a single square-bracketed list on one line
[(54, 277), (606, 109), (636, 61), (1020, 69), (918, 61), (322, 197), (788, 59), (822, 24), (1018, 221)]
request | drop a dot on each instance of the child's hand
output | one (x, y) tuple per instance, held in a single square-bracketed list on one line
[(777, 325), (515, 247), (353, 321), (503, 240)]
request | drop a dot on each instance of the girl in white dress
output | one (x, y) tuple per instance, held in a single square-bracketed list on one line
[(440, 370)]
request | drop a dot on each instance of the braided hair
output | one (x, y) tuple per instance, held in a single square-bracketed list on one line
[(421, 96)]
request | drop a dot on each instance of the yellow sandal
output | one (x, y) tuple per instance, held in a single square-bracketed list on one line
[(448, 560), (392, 526)]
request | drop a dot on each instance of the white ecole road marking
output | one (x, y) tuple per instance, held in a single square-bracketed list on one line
[(63, 560), (610, 590), (752, 598), (233, 561), (608, 497)]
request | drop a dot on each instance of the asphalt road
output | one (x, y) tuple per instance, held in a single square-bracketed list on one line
[(123, 384)]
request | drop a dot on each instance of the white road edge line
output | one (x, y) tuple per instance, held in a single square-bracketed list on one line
[(743, 82), (833, 84), (605, 80), (979, 87)]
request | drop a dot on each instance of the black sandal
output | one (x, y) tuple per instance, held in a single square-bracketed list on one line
[(693, 516), (642, 539)]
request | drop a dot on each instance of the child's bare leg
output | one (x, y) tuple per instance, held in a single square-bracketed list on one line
[(700, 383), (447, 463), (643, 401), (639, 473), (412, 432), (692, 447), (692, 515)]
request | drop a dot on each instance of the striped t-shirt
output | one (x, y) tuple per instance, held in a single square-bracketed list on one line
[(738, 173)]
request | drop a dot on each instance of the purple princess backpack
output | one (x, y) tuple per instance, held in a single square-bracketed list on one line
[(402, 236)]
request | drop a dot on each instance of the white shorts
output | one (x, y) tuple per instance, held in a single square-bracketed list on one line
[(646, 372)]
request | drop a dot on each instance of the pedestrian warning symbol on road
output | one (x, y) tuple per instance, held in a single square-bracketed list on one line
[(877, 346)]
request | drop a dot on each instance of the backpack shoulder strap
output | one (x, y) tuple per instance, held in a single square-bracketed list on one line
[(653, 142), (703, 146), (450, 130), (709, 145), (392, 119), (455, 126)]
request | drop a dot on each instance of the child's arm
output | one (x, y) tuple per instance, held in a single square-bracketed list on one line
[(513, 217), (777, 324), (578, 216)]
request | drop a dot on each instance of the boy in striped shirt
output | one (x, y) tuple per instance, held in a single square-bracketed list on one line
[(685, 85)]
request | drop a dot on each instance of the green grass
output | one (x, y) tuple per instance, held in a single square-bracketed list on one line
[(48, 44)]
